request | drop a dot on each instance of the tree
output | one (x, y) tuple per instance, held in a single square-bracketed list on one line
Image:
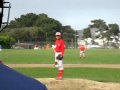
[(86, 33), (99, 23), (27, 34), (37, 28), (48, 25), (101, 27), (32, 20), (113, 29), (68, 33), (27, 20)]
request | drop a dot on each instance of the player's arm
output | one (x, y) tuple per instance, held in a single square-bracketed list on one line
[(53, 47), (62, 48)]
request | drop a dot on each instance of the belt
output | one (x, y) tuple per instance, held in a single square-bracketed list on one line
[(58, 51)]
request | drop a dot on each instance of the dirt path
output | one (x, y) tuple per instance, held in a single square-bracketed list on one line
[(66, 65)]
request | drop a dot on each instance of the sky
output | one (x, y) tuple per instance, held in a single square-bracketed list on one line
[(76, 13)]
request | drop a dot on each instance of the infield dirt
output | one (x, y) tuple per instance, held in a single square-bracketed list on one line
[(77, 84)]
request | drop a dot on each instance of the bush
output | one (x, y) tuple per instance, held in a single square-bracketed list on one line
[(6, 41)]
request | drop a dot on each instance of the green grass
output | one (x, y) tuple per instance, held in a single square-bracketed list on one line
[(93, 56), (98, 74), (27, 56)]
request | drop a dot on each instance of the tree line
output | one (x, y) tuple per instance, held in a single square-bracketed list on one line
[(32, 27)]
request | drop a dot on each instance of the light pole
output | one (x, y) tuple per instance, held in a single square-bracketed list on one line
[(76, 39)]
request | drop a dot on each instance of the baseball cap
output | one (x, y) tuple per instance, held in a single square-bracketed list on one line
[(58, 34)]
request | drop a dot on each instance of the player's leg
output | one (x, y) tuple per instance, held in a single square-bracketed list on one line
[(59, 64), (81, 53), (56, 60), (60, 70)]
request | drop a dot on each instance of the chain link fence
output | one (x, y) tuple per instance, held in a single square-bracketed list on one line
[(39, 45)]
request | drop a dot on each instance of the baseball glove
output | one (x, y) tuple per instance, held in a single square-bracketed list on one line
[(59, 57)]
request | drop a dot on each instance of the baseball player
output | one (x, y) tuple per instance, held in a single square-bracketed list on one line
[(82, 51), (0, 47), (59, 54)]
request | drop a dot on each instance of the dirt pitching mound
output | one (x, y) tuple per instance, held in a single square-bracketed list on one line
[(77, 84)]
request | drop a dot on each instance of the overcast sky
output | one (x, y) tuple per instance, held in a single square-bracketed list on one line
[(76, 13)]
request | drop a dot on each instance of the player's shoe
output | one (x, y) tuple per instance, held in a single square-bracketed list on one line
[(59, 78), (56, 64)]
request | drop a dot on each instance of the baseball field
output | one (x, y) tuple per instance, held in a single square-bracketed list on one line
[(101, 65)]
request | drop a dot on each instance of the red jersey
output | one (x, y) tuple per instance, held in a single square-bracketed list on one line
[(60, 46), (82, 48)]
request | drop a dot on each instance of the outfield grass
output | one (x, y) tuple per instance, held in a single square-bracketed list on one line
[(98, 74), (93, 56)]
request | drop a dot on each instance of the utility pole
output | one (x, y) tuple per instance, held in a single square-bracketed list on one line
[(76, 39)]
